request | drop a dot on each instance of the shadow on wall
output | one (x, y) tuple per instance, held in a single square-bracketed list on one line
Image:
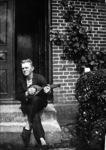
[(66, 113)]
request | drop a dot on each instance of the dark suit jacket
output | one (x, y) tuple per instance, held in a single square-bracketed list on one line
[(22, 88)]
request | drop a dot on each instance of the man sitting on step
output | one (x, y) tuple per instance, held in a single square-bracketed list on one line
[(32, 102)]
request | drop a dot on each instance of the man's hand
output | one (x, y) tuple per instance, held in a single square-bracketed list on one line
[(31, 91), (47, 89)]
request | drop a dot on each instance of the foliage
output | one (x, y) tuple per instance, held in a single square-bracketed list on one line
[(91, 95), (75, 40), (98, 134), (96, 59)]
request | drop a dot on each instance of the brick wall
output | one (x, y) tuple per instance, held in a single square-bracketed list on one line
[(64, 71)]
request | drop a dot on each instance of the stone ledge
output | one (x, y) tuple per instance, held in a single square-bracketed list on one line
[(16, 108), (52, 132), (65, 113), (49, 126), (68, 142), (14, 114), (13, 123)]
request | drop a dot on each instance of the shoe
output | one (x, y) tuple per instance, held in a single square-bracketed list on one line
[(44, 147), (26, 136)]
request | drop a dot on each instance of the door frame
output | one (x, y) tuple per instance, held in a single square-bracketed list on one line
[(50, 46), (49, 61), (8, 64)]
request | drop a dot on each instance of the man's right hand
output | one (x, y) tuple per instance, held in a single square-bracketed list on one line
[(31, 91)]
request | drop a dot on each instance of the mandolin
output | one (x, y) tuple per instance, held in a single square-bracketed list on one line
[(39, 88)]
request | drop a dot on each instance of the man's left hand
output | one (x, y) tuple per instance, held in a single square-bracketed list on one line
[(47, 89)]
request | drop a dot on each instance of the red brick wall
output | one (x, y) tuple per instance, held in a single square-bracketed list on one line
[(64, 71)]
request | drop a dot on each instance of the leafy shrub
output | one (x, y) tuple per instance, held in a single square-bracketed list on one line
[(98, 133), (91, 95)]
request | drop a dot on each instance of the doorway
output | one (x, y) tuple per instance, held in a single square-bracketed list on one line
[(32, 30)]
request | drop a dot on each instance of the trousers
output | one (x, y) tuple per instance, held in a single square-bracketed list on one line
[(34, 106)]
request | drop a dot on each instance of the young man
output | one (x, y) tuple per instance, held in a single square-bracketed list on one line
[(32, 102)]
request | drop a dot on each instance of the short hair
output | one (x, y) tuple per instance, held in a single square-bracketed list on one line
[(27, 61)]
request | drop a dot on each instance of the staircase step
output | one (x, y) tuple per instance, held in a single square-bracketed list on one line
[(15, 115), (51, 128), (12, 123)]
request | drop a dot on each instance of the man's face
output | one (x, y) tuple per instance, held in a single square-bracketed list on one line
[(27, 69)]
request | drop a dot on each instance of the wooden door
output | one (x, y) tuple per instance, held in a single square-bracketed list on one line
[(6, 51), (32, 35)]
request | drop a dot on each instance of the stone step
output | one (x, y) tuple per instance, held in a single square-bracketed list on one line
[(12, 123), (15, 115), (52, 132)]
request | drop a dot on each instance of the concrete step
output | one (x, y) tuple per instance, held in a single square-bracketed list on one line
[(12, 122), (14, 114), (52, 132)]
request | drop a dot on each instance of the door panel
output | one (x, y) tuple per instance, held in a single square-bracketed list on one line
[(31, 34), (6, 50)]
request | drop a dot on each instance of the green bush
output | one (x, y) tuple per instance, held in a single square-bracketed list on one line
[(91, 95)]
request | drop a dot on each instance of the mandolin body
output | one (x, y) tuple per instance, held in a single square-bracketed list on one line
[(39, 88)]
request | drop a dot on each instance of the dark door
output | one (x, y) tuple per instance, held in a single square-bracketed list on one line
[(6, 51), (32, 41)]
